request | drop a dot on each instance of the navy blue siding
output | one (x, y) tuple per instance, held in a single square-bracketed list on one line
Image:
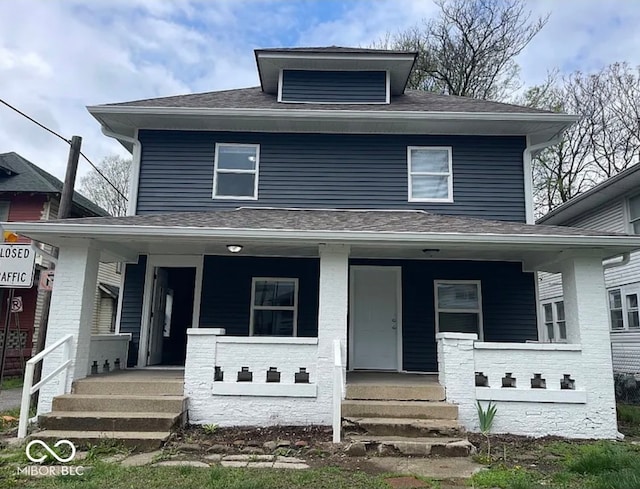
[(334, 86), (508, 304), (332, 171), (131, 316), (226, 291)]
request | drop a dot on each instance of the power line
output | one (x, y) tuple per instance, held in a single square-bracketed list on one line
[(66, 141)]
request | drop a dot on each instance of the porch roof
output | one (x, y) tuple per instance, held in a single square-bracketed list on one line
[(372, 233)]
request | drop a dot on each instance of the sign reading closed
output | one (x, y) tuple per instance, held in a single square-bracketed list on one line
[(17, 262)]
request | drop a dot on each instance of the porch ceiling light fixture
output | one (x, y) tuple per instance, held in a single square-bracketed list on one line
[(234, 248), (430, 250)]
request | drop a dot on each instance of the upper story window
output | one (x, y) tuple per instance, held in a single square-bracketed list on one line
[(235, 173), (458, 306), (4, 210), (334, 87), (274, 306), (634, 214), (554, 321), (430, 174)]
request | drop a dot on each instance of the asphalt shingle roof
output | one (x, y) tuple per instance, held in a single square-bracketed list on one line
[(335, 220), (24, 176), (255, 98)]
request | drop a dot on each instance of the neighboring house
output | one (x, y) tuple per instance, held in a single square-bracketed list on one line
[(286, 241), (612, 206), (28, 193)]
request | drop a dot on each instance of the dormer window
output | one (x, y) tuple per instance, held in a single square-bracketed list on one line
[(333, 87)]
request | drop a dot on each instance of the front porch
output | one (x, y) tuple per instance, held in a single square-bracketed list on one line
[(268, 335)]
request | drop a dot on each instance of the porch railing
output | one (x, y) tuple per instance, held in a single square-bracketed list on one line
[(337, 391), (28, 389)]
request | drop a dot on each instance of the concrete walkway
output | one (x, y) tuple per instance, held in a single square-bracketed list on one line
[(10, 399)]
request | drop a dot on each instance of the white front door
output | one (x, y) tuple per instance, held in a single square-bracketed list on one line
[(158, 306), (375, 321)]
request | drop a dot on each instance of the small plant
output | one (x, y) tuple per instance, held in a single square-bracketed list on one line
[(486, 417), (210, 429)]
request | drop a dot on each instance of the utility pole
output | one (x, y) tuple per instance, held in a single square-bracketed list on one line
[(64, 211)]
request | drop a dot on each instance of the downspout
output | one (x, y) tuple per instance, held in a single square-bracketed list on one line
[(527, 157), (626, 258), (132, 199)]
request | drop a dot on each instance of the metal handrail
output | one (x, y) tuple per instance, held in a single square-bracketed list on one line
[(28, 389), (338, 391)]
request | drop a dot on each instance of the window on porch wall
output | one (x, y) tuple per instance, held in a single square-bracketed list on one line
[(458, 307), (554, 321), (623, 308), (274, 306)]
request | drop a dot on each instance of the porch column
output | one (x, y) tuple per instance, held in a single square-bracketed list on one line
[(333, 306), (71, 312), (587, 322)]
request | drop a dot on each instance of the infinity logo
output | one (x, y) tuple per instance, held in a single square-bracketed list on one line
[(50, 451)]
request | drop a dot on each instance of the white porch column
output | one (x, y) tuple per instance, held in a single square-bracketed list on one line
[(71, 312), (332, 314), (587, 323)]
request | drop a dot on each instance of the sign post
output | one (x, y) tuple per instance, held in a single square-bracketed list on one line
[(17, 264)]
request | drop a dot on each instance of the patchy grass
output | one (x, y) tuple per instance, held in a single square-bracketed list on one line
[(12, 383), (505, 478), (629, 419), (116, 477), (9, 419)]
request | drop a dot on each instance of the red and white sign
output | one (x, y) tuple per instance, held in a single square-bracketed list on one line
[(46, 280), (16, 304)]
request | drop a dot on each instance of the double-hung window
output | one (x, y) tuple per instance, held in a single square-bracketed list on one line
[(4, 210), (623, 308), (554, 321), (430, 174), (274, 307), (235, 171), (458, 306), (634, 214)]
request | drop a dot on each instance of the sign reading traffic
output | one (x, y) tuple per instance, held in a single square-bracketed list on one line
[(17, 262)]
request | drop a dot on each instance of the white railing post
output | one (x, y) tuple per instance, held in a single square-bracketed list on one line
[(28, 389), (337, 391)]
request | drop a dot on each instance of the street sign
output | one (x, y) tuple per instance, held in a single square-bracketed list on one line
[(46, 280), (17, 263), (16, 304)]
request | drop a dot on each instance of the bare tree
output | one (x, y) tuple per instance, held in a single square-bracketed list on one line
[(470, 48), (117, 170), (605, 141)]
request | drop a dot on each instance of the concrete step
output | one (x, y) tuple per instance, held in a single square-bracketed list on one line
[(120, 403), (116, 386), (405, 427), (399, 409), (137, 440), (421, 447), (429, 391), (111, 421)]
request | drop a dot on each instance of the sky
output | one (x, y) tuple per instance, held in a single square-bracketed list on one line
[(59, 56)]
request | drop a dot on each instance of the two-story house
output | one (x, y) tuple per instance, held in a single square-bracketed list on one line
[(29, 193), (330, 244), (611, 206)]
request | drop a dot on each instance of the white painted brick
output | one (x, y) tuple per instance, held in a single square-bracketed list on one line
[(71, 312), (204, 352)]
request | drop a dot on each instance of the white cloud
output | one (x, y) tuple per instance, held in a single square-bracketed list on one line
[(58, 57)]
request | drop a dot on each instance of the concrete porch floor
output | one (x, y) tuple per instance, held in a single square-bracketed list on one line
[(390, 378), (139, 375)]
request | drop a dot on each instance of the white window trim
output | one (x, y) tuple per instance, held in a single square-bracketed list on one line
[(628, 219), (449, 174), (478, 311), (255, 172), (293, 308), (387, 100), (625, 290), (554, 320)]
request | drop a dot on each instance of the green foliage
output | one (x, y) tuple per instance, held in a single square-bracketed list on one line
[(602, 457), (504, 478), (210, 429), (486, 416), (12, 383)]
